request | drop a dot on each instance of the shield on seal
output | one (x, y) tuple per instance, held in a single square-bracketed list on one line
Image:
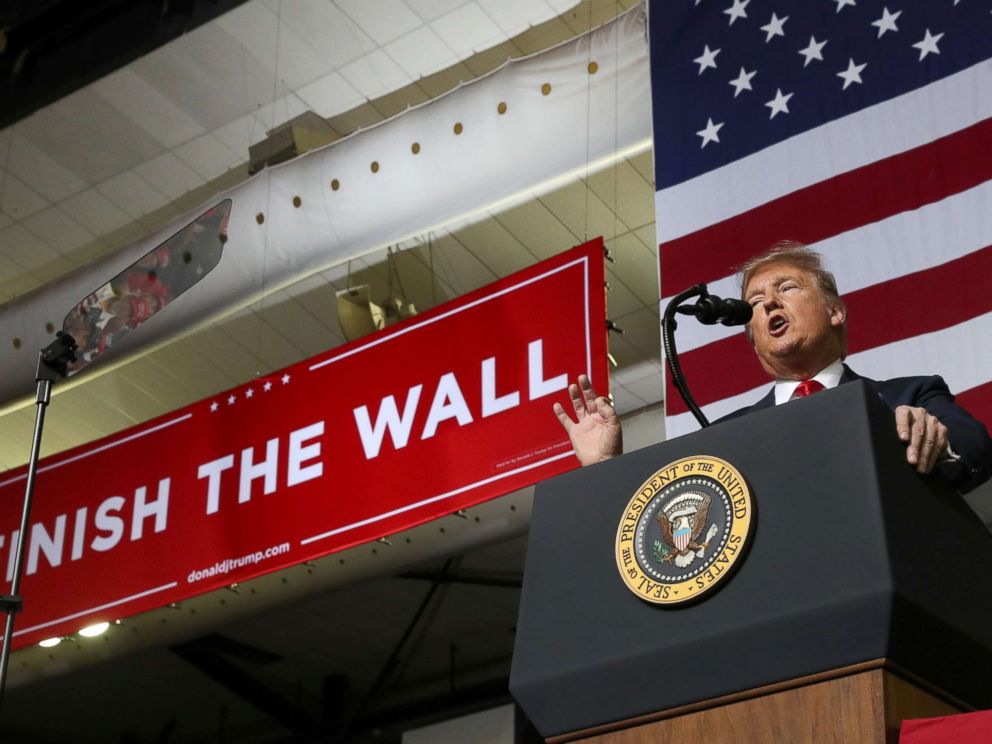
[(681, 537)]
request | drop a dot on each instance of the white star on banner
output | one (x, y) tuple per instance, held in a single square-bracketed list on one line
[(737, 10), (267, 386), (710, 133), (842, 3), (780, 103), (887, 22), (774, 27), (285, 379), (213, 407), (928, 44), (813, 50), (706, 59), (743, 81), (230, 400), (249, 393), (852, 74)]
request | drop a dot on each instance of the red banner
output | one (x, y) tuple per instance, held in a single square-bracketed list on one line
[(443, 411)]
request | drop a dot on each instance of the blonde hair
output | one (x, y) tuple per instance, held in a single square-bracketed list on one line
[(794, 254)]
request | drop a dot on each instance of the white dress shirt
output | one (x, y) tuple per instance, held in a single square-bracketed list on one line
[(829, 377)]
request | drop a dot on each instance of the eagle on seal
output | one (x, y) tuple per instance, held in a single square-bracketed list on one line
[(682, 534)]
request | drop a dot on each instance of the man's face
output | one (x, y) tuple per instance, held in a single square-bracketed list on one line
[(794, 328)]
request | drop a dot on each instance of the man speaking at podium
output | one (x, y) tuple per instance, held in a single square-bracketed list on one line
[(799, 332)]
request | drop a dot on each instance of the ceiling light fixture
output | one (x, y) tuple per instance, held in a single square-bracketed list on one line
[(92, 631)]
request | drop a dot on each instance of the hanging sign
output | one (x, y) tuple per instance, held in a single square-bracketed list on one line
[(445, 410)]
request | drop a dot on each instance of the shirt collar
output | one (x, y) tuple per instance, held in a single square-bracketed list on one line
[(829, 377)]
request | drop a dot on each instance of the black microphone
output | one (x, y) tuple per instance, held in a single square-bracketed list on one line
[(711, 309)]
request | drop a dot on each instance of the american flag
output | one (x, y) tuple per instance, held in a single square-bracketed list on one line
[(860, 127)]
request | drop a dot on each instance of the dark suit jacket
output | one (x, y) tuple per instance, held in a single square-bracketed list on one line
[(969, 438)]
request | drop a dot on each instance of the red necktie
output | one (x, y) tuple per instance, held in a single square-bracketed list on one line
[(807, 387)]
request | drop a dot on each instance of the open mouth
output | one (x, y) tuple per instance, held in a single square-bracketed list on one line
[(777, 325)]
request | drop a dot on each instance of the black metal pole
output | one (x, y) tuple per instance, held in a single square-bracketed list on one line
[(668, 326), (12, 601), (53, 361)]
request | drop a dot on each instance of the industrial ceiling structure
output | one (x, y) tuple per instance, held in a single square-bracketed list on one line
[(118, 140)]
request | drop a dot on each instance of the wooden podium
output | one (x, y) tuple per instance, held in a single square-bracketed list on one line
[(864, 598)]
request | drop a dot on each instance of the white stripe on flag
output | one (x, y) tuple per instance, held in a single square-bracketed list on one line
[(888, 128)]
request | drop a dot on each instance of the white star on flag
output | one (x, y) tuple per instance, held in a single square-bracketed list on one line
[(710, 133), (852, 74), (213, 406), (285, 379), (887, 22), (230, 400), (813, 50), (249, 393), (780, 103), (743, 81), (928, 44), (267, 386), (774, 27), (706, 59), (842, 3), (737, 10)]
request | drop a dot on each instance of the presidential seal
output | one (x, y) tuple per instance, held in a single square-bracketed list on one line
[(684, 530)]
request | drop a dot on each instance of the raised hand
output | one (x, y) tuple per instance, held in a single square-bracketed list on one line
[(595, 434)]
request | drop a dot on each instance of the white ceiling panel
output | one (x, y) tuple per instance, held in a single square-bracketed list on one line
[(17, 200), (273, 115), (143, 104), (431, 10), (633, 372), (620, 300), (560, 6), (274, 44), (326, 30), (375, 74), (625, 401), (516, 16), (169, 175), (421, 52), (89, 137), (25, 248), (330, 95), (383, 20), (208, 156), (95, 212), (210, 75), (650, 388), (132, 193), (58, 229), (625, 190), (638, 265), (39, 170), (537, 229), (241, 133), (467, 29), (493, 244)]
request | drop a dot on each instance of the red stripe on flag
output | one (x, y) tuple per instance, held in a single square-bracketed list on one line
[(901, 308), (902, 182), (978, 402)]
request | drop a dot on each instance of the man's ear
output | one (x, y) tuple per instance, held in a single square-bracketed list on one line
[(838, 313)]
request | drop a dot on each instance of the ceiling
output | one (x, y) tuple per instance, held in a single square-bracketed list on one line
[(401, 634)]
